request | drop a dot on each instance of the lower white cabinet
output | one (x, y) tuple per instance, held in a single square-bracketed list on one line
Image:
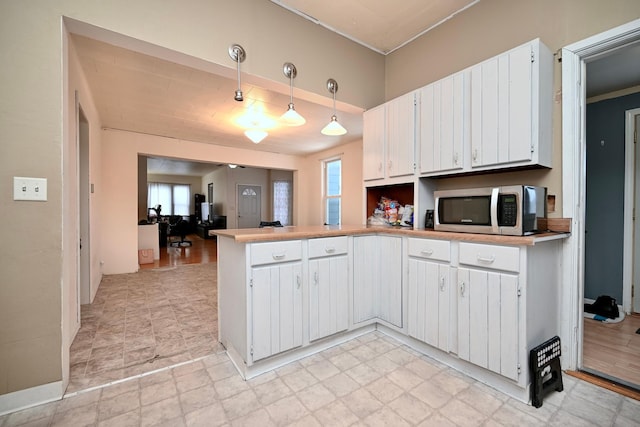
[(488, 319), (429, 302), (377, 279), (276, 309), (328, 287)]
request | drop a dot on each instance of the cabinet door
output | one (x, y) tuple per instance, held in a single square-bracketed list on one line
[(328, 296), (444, 121), (428, 308), (501, 109), (400, 140), (373, 140), (276, 309), (488, 320), (389, 282), (377, 279)]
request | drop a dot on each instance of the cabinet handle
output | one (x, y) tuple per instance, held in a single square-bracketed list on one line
[(315, 277), (278, 256), (380, 167), (455, 158), (427, 252), (442, 284), (475, 155), (390, 165), (298, 281), (462, 288), (485, 259), (330, 249)]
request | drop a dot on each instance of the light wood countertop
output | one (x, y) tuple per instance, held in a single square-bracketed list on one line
[(249, 235)]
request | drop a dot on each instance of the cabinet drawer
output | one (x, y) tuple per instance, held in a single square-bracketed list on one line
[(327, 246), (268, 253), (430, 249), (490, 256)]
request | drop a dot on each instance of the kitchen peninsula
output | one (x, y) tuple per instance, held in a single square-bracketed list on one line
[(477, 303)]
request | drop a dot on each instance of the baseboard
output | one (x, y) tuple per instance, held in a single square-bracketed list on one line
[(34, 396)]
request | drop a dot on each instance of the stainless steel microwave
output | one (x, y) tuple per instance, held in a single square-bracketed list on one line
[(510, 210)]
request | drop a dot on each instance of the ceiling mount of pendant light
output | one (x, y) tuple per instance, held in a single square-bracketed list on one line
[(333, 128), (291, 117), (237, 53)]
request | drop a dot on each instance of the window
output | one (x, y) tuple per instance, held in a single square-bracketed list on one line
[(282, 202), (175, 199), (333, 191)]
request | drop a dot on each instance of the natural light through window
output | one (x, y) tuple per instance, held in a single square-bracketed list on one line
[(282, 195), (332, 191), (175, 199)]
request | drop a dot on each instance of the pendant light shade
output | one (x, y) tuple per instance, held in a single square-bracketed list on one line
[(333, 128), (291, 117), (256, 135)]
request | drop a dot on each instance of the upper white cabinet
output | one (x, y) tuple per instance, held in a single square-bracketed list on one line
[(444, 124), (373, 136), (389, 135), (511, 109)]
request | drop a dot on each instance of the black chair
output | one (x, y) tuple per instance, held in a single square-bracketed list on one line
[(270, 224), (179, 228)]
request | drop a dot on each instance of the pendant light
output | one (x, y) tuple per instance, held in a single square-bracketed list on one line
[(237, 53), (291, 117), (256, 135), (333, 128)]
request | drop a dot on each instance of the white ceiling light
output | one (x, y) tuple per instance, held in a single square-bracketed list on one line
[(333, 128), (256, 135), (237, 53), (291, 117)]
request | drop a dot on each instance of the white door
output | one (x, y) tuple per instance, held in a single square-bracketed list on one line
[(488, 320), (365, 253), (401, 125), (328, 296), (428, 317), (84, 195), (276, 309), (249, 206), (373, 137)]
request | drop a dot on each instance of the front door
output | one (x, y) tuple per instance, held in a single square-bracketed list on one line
[(249, 202)]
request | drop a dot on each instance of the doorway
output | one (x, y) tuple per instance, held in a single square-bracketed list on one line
[(574, 65), (249, 205)]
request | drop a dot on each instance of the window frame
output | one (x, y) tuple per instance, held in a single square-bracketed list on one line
[(325, 186)]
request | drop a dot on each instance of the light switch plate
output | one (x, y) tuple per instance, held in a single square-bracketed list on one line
[(29, 188)]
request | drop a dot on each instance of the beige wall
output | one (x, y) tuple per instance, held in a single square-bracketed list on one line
[(35, 128), (489, 28), (311, 211)]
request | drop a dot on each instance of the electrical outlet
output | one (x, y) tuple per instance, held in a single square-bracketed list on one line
[(30, 189)]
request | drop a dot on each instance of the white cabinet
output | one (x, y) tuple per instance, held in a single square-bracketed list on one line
[(429, 310), (373, 136), (276, 309), (444, 124), (276, 297), (488, 318), (328, 286), (389, 133), (511, 109), (377, 279)]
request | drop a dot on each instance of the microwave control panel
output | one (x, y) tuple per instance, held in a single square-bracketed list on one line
[(507, 210)]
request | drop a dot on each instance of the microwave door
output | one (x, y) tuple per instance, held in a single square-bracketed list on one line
[(495, 192)]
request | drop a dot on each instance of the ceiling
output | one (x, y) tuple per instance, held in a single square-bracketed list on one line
[(146, 94)]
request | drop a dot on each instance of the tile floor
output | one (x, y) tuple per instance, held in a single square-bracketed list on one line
[(144, 321), (372, 380)]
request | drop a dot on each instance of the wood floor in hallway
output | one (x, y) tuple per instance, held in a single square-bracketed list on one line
[(201, 251)]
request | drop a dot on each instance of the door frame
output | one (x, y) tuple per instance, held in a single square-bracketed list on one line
[(629, 205), (574, 58)]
